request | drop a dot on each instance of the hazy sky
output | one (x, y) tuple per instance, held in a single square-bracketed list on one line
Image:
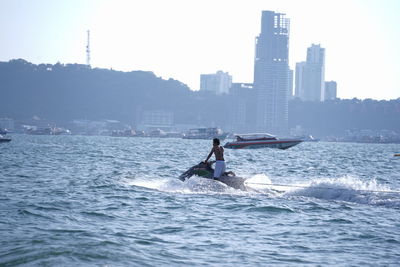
[(182, 39)]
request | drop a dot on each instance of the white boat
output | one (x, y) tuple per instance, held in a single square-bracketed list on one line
[(261, 140)]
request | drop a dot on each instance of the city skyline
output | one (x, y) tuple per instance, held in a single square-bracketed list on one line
[(194, 39)]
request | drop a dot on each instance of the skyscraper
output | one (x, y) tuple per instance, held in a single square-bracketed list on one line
[(271, 73), (315, 71), (299, 89), (310, 75)]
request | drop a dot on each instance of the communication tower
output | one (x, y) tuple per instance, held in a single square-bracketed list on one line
[(88, 49)]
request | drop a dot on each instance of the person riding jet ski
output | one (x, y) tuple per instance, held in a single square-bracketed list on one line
[(204, 170), (218, 151)]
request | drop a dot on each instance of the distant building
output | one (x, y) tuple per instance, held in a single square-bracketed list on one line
[(310, 75), (330, 90), (156, 119), (299, 90), (220, 82), (315, 73), (91, 127), (243, 109), (272, 74)]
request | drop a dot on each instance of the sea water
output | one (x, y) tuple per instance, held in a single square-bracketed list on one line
[(104, 201)]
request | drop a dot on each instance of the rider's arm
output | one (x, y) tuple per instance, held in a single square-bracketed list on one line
[(209, 155)]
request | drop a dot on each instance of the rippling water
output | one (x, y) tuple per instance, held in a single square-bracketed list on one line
[(74, 200)]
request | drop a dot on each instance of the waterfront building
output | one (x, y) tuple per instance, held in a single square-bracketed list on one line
[(272, 74), (330, 90), (219, 83), (156, 119)]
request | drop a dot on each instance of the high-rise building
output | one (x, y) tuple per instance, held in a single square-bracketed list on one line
[(310, 75), (219, 82), (315, 73), (330, 90), (299, 90), (271, 73), (242, 107)]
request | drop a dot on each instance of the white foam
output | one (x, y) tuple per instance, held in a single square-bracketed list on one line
[(263, 184), (198, 184), (148, 182), (193, 185), (259, 179), (349, 189)]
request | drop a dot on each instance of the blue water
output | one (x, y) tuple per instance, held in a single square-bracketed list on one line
[(103, 201)]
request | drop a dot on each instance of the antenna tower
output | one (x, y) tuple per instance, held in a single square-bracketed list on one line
[(88, 49)]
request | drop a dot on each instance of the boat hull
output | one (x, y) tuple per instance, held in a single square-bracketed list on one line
[(280, 144)]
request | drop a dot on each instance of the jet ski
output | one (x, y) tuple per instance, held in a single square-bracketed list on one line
[(205, 170)]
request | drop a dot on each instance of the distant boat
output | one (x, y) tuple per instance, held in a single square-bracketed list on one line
[(47, 131), (157, 133), (261, 140), (123, 133), (205, 133), (4, 139)]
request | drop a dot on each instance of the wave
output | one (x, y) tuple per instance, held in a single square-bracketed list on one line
[(204, 186), (193, 185), (348, 189)]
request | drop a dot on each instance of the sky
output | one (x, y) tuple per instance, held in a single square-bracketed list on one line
[(182, 39)]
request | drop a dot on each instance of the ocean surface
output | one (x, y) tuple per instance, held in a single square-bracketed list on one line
[(109, 201)]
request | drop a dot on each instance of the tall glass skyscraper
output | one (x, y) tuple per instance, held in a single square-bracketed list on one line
[(271, 74)]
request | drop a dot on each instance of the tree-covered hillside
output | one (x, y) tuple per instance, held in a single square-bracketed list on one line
[(61, 93)]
